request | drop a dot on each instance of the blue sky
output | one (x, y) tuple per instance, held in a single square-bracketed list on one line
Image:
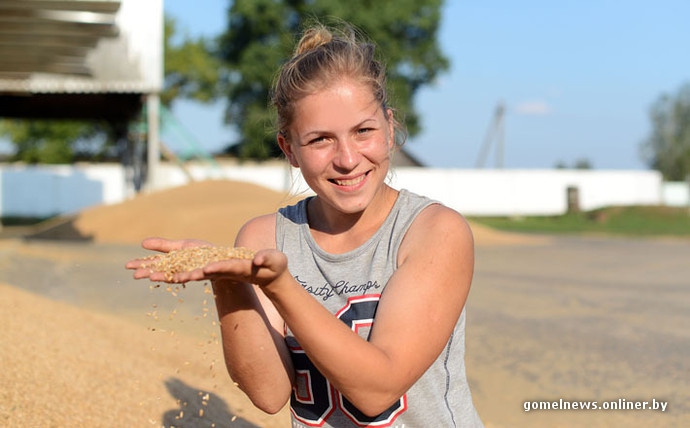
[(577, 79)]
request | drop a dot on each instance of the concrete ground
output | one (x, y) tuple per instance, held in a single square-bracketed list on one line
[(579, 319)]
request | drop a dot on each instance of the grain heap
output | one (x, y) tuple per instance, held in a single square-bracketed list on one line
[(189, 259), (209, 210)]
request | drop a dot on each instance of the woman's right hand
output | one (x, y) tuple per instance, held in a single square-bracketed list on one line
[(266, 266)]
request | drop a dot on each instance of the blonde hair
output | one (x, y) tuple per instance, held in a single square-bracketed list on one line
[(324, 56)]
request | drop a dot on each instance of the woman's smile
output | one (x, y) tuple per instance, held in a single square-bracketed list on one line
[(349, 182)]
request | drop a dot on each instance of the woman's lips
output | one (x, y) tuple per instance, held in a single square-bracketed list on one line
[(350, 181)]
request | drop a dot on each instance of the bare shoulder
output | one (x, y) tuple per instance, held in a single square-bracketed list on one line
[(440, 219), (438, 229), (258, 233)]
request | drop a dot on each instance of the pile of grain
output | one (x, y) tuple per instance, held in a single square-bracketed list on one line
[(212, 210), (65, 366)]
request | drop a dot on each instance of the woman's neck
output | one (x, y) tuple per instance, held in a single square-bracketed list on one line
[(338, 232)]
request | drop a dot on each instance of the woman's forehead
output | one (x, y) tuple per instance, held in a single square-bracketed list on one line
[(346, 94), (338, 107)]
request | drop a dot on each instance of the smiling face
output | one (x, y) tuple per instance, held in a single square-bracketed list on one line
[(341, 139)]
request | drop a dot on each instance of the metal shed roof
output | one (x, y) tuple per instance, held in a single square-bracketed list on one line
[(49, 36), (97, 51)]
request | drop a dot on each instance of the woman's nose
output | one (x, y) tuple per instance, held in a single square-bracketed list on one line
[(347, 155)]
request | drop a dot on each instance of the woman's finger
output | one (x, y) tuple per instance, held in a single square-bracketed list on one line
[(161, 244)]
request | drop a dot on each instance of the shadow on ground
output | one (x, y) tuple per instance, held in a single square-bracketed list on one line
[(199, 409), (57, 229)]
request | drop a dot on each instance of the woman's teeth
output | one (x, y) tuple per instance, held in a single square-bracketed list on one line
[(350, 182)]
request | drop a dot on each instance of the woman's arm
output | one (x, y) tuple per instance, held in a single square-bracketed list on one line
[(256, 355), (252, 331), (414, 319)]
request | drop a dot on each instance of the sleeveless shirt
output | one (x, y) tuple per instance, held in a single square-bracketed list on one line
[(350, 285)]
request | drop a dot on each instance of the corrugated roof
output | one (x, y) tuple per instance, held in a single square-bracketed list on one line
[(52, 36), (80, 46)]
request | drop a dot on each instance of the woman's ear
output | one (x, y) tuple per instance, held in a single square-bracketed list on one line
[(286, 148)]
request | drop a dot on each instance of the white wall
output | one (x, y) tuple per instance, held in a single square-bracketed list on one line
[(530, 192), (43, 191), (677, 193)]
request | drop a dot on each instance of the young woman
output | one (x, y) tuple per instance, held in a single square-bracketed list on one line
[(353, 306)]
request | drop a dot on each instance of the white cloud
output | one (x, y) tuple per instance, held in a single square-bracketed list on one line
[(533, 108)]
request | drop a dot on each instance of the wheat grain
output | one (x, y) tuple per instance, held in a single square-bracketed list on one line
[(189, 259)]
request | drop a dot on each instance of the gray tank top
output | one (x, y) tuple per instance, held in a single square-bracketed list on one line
[(350, 285)]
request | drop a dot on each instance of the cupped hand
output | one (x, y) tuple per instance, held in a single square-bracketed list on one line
[(266, 266), (161, 245)]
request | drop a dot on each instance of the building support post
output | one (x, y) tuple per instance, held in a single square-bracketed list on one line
[(153, 142)]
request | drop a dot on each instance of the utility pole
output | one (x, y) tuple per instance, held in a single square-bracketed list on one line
[(496, 131)]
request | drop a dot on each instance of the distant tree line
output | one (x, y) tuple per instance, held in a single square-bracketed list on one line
[(582, 163)]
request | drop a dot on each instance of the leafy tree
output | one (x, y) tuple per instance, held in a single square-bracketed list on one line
[(667, 149), (191, 70), (51, 141), (581, 163), (261, 36)]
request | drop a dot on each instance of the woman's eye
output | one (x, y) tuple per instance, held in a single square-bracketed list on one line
[(318, 141), (364, 130)]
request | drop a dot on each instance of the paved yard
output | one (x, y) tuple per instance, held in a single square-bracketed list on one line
[(572, 319)]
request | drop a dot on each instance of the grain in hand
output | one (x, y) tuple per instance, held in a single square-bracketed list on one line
[(189, 259)]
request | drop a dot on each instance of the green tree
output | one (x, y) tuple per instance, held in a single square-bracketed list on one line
[(190, 71), (52, 141), (581, 163), (261, 36), (667, 149)]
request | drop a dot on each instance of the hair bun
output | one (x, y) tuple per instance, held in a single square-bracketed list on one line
[(312, 39)]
